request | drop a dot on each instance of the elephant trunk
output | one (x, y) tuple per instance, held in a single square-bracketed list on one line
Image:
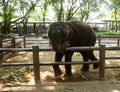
[(60, 48)]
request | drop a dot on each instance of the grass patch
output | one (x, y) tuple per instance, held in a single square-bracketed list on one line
[(107, 33)]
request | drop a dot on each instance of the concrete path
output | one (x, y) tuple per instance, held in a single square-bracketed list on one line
[(91, 86)]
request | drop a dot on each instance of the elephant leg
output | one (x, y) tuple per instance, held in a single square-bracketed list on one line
[(68, 57), (58, 57), (93, 58), (85, 58)]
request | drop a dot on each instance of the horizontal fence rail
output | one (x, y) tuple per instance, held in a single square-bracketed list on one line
[(112, 48), (67, 49), (113, 67), (49, 63), (50, 49), (112, 57), (16, 49)]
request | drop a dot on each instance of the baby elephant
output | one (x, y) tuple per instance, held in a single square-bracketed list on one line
[(69, 34)]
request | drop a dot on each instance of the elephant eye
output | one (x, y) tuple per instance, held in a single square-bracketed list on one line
[(57, 30)]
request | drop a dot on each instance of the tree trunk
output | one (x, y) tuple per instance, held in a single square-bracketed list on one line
[(61, 11), (5, 28), (6, 23), (115, 19)]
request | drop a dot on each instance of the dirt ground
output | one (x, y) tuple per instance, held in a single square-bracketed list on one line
[(88, 82)]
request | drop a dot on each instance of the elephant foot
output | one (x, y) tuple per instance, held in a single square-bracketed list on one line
[(68, 75), (95, 66), (58, 73), (85, 69), (57, 70), (63, 78)]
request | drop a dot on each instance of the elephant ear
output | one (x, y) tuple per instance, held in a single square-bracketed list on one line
[(75, 26), (50, 43)]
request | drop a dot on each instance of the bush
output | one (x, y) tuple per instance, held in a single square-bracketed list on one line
[(9, 35)]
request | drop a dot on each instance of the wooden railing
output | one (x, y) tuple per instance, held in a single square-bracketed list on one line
[(15, 42), (36, 62), (103, 40)]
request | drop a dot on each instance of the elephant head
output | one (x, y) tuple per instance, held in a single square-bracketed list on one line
[(57, 34)]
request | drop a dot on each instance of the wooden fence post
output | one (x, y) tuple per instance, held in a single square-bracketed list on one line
[(13, 42), (1, 53), (99, 40), (0, 43), (118, 41), (24, 41), (36, 63), (102, 62)]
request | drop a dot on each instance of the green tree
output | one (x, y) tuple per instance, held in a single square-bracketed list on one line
[(10, 12), (115, 5), (71, 9), (58, 7), (88, 6), (67, 9)]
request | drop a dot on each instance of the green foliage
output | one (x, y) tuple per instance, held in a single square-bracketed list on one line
[(15, 77), (84, 75), (12, 11), (68, 9), (115, 3), (8, 35), (8, 8), (108, 33), (115, 6)]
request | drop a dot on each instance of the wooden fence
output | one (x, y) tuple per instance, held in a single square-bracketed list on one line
[(39, 42), (30, 28), (36, 63), (101, 40), (108, 40), (15, 42)]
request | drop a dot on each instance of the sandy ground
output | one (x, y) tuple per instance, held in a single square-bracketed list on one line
[(49, 83)]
